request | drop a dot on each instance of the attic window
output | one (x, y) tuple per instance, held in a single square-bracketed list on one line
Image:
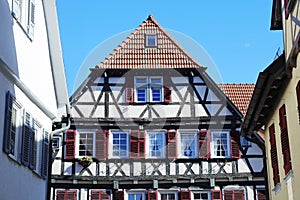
[(151, 40)]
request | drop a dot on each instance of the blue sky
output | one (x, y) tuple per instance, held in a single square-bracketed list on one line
[(235, 35)]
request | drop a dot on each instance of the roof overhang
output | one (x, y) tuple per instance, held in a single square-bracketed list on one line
[(276, 18), (268, 90)]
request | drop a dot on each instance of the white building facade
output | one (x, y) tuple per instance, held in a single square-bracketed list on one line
[(33, 93)]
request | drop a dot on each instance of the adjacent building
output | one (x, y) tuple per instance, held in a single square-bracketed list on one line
[(149, 123), (275, 106), (33, 93)]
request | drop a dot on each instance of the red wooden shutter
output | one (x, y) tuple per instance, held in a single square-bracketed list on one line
[(172, 147), (7, 147), (101, 144), (71, 195), (118, 195), (298, 99), (261, 194), (184, 195), (216, 195), (204, 144), (129, 95), (235, 144), (60, 194), (167, 90), (228, 195), (238, 194), (95, 195), (152, 195), (137, 144), (274, 158), (285, 139), (70, 144)]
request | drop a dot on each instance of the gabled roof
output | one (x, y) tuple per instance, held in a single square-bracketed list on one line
[(239, 94), (132, 53)]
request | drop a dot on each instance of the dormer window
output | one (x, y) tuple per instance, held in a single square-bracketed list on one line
[(151, 40)]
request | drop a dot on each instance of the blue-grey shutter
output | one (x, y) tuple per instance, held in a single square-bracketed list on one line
[(45, 155), (8, 115), (26, 139), (33, 146), (31, 18)]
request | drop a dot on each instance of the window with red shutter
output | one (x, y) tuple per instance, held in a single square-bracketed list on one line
[(204, 144), (66, 194), (298, 99), (99, 195), (167, 94), (285, 146), (234, 195), (118, 195), (129, 95), (101, 144), (261, 194), (70, 144), (184, 195), (274, 157), (152, 195), (172, 147), (216, 195), (235, 144), (137, 144)]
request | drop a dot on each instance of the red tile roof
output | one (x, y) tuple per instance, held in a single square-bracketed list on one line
[(239, 94), (132, 53)]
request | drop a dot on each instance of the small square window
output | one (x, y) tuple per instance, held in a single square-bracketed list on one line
[(151, 41), (55, 143)]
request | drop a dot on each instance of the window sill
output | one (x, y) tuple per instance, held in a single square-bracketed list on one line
[(289, 176), (277, 188)]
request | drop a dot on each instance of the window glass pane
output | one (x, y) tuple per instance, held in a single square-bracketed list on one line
[(86, 144), (220, 144), (120, 144), (156, 145), (201, 196), (151, 40), (168, 196), (188, 141)]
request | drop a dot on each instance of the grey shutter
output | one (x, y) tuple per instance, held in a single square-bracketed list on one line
[(45, 155), (8, 115), (31, 18), (33, 146), (26, 139)]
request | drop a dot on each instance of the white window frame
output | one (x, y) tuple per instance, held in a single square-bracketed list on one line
[(201, 192), (213, 143), (136, 192), (181, 145), (111, 144), (163, 149), (18, 132), (79, 132), (168, 192), (58, 144), (149, 86), (151, 37)]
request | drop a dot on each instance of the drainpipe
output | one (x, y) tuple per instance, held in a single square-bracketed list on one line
[(60, 130)]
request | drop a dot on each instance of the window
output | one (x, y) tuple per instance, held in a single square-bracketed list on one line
[(151, 40), (234, 195), (136, 196), (12, 126), (55, 143), (168, 196), (220, 144), (156, 144), (274, 157), (24, 12), (86, 144), (120, 144), (148, 89), (99, 195), (285, 146), (66, 194), (188, 144), (245, 143), (261, 194), (201, 196)]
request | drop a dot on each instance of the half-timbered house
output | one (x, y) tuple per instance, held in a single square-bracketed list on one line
[(149, 123)]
